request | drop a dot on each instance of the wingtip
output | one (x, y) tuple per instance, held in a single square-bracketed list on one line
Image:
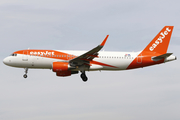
[(104, 41)]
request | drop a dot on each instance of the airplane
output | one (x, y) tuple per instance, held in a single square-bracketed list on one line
[(68, 62)]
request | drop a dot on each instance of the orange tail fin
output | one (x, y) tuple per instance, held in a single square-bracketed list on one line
[(160, 43)]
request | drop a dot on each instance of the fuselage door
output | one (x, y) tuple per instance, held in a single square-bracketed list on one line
[(25, 56), (139, 59)]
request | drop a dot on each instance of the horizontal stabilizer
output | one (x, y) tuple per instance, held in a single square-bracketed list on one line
[(157, 58)]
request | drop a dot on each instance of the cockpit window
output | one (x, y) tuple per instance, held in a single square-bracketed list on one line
[(13, 54)]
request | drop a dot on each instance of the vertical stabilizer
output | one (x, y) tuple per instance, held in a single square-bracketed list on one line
[(160, 43)]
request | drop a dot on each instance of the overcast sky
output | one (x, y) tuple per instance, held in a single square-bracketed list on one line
[(151, 93)]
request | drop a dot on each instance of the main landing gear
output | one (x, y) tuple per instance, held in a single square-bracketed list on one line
[(84, 77), (26, 71)]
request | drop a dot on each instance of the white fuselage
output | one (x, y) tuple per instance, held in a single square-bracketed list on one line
[(119, 60)]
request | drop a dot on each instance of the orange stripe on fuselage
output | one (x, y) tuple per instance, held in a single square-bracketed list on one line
[(144, 59), (103, 64), (47, 54)]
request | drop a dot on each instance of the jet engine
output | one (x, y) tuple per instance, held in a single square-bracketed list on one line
[(61, 69)]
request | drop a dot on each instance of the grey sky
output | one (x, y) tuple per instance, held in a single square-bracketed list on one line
[(141, 94)]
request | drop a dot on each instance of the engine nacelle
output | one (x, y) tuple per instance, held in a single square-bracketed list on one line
[(61, 69), (60, 66)]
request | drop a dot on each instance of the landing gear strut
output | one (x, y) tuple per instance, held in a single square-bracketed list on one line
[(84, 77), (26, 71)]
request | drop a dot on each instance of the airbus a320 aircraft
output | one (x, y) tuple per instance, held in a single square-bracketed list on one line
[(65, 63)]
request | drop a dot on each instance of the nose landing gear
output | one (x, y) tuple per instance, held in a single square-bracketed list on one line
[(26, 71)]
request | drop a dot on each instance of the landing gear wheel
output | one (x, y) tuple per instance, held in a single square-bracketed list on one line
[(84, 78), (25, 76), (26, 71)]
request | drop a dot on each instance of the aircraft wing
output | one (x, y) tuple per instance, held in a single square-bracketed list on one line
[(85, 58)]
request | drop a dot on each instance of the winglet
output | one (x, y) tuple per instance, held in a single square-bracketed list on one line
[(104, 41)]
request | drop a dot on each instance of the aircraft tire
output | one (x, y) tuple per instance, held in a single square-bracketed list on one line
[(25, 76), (84, 78)]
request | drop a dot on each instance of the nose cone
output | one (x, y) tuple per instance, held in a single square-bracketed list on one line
[(5, 61)]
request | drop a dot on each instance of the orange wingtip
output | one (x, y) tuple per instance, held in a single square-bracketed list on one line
[(104, 41)]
